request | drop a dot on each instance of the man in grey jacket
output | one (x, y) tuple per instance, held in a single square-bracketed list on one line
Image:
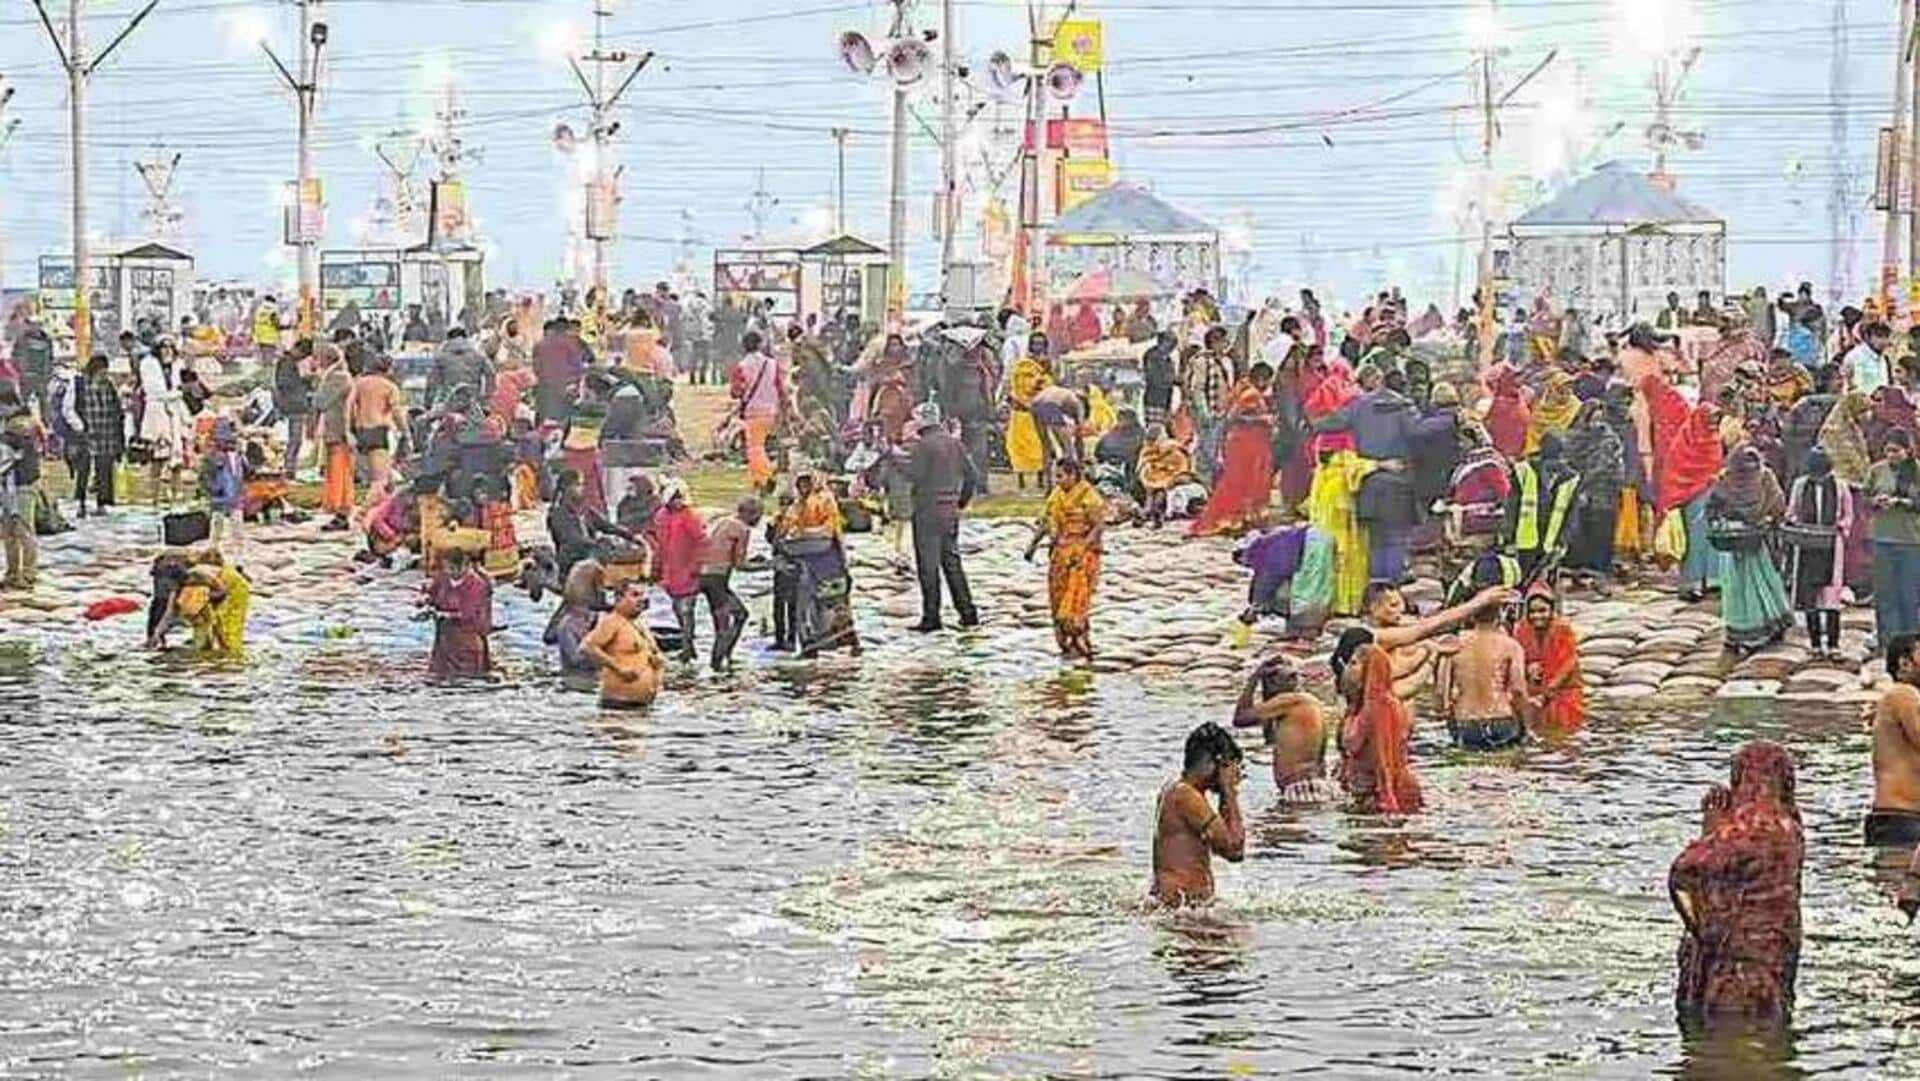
[(943, 484)]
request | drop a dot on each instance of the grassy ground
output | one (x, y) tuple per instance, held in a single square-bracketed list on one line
[(713, 485)]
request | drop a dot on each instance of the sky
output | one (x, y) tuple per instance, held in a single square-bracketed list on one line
[(1334, 141)]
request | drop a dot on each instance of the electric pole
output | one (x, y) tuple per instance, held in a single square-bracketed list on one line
[(1489, 132), (399, 150), (306, 219), (157, 175), (840, 182), (1900, 163), (1913, 141), (760, 206), (603, 199), (897, 194), (79, 69), (1030, 159), (11, 125), (1841, 224), (949, 179)]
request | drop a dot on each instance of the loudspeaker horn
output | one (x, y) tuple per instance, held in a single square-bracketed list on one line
[(1002, 81), (1063, 81), (857, 52), (908, 60)]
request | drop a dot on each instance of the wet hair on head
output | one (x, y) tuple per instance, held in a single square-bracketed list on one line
[(1210, 741), (1900, 647), (1377, 591), (1279, 677), (1350, 642)]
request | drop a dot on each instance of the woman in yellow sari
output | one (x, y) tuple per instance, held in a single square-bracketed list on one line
[(1029, 377), (1330, 508), (1554, 412), (212, 601), (1074, 518)]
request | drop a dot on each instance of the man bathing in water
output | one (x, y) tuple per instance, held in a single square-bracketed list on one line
[(1415, 660), (629, 661), (1188, 830), (1895, 820), (1489, 686), (1294, 726)]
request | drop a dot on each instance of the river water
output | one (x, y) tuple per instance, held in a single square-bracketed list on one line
[(926, 862)]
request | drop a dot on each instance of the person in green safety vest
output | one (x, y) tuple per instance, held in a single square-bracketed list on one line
[(1541, 508)]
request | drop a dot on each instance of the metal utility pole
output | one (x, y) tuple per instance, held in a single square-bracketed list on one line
[(157, 174), (1913, 137), (602, 199), (73, 57), (11, 125), (399, 150), (949, 174), (1489, 132), (1030, 152), (897, 189), (308, 206), (840, 181), (1841, 223), (760, 206), (1900, 165)]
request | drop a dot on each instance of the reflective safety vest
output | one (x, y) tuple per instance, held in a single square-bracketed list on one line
[(1526, 528), (266, 326), (1466, 583)]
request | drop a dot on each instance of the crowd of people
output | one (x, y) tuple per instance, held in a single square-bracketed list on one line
[(1755, 449)]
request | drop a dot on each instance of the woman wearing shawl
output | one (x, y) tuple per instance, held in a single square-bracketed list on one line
[(1239, 500), (1686, 464), (1844, 439), (1824, 507), (1786, 382), (1594, 451), (1508, 419), (809, 534), (1753, 600), (1028, 377), (1074, 518), (1555, 411), (1555, 687), (1375, 766), (1326, 387), (1635, 508), (1737, 891)]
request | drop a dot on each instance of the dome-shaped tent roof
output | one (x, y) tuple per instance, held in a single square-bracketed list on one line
[(1615, 194), (1126, 210)]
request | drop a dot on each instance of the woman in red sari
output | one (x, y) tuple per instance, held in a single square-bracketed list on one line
[(1554, 683), (1239, 500), (1737, 890), (1375, 765)]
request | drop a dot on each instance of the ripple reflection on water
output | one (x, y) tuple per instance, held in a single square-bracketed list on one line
[(924, 863)]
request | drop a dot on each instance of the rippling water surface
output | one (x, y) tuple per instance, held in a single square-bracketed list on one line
[(924, 863)]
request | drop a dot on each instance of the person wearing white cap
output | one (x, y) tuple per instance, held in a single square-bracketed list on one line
[(943, 484)]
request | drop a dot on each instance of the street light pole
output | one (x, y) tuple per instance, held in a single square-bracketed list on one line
[(1901, 163), (72, 55), (77, 124), (309, 243), (949, 177)]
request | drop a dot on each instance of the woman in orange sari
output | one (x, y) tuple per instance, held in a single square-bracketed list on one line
[(1239, 500), (1075, 517), (1555, 685), (1375, 765)]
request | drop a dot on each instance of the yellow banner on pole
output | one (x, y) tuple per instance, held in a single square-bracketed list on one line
[(1080, 42), (1082, 179)]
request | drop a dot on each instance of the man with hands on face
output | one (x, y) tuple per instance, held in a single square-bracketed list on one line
[(1189, 829)]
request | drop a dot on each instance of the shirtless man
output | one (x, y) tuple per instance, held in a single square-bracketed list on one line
[(1416, 662), (1188, 830), (1294, 727), (1895, 819), (629, 661), (1489, 686)]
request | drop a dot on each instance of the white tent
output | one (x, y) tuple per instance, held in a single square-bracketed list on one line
[(1615, 244)]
